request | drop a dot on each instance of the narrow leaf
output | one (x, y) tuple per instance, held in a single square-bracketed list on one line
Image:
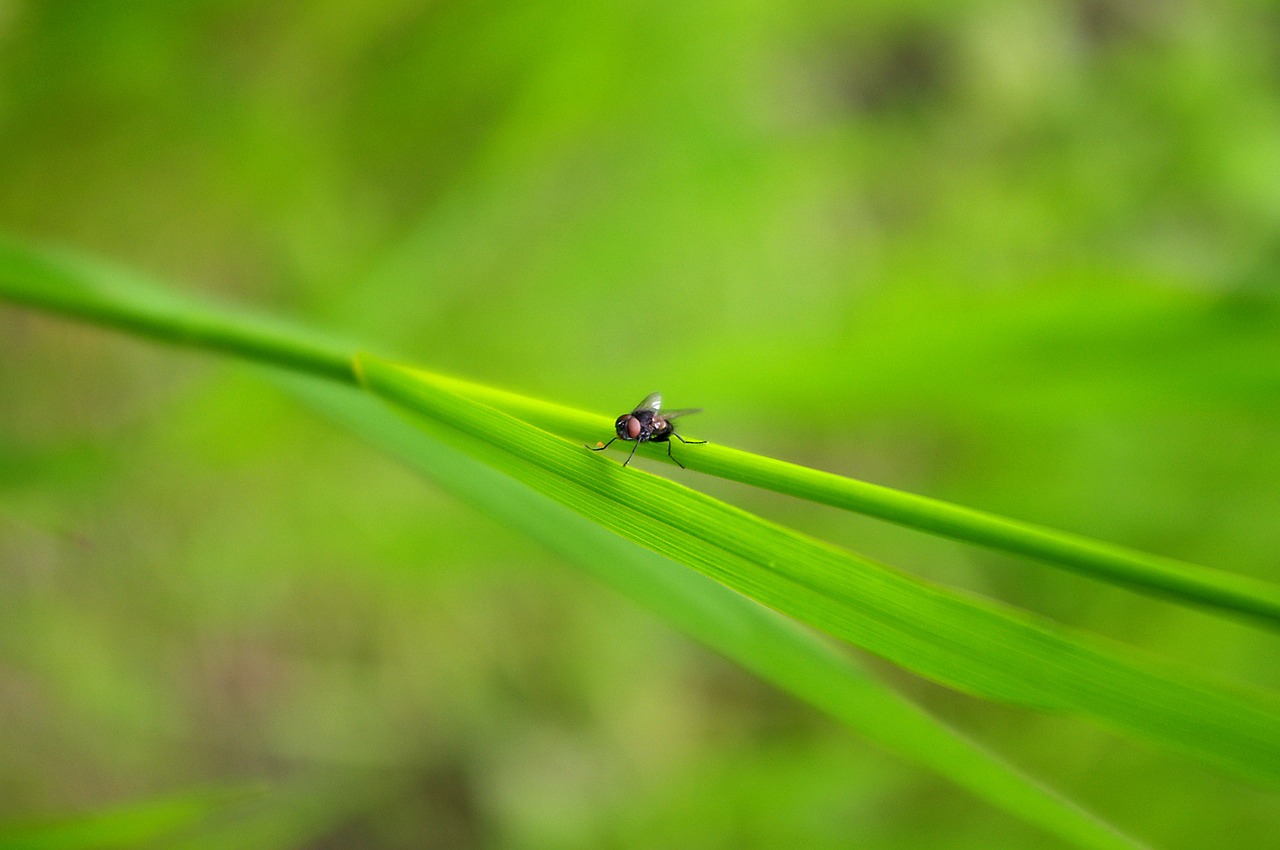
[(775, 648), (973, 645), (1181, 581)]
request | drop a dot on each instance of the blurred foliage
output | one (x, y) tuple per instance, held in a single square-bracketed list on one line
[(1019, 256)]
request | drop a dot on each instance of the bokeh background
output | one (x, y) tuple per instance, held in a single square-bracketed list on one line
[(1021, 256)]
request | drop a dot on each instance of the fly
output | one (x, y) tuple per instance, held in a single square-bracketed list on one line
[(648, 424)]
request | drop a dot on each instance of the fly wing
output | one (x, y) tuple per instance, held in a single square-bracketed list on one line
[(672, 414), (653, 401)]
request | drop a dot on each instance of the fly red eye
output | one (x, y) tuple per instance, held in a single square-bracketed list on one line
[(648, 423)]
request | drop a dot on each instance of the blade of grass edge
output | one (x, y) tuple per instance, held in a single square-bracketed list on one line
[(92, 290), (977, 646), (774, 648)]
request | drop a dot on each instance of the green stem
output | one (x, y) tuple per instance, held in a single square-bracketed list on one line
[(90, 289)]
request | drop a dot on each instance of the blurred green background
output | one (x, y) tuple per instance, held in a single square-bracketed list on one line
[(1021, 256)]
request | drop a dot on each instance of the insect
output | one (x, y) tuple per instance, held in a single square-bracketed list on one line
[(648, 424)]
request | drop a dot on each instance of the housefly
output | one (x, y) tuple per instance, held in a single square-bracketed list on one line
[(648, 423)]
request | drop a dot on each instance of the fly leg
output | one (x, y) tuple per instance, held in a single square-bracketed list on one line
[(673, 457), (686, 442)]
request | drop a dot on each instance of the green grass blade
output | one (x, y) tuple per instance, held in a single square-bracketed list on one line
[(91, 290), (1178, 580), (773, 647), (972, 645)]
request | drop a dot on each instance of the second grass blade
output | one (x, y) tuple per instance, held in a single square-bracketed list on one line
[(972, 645), (777, 649)]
